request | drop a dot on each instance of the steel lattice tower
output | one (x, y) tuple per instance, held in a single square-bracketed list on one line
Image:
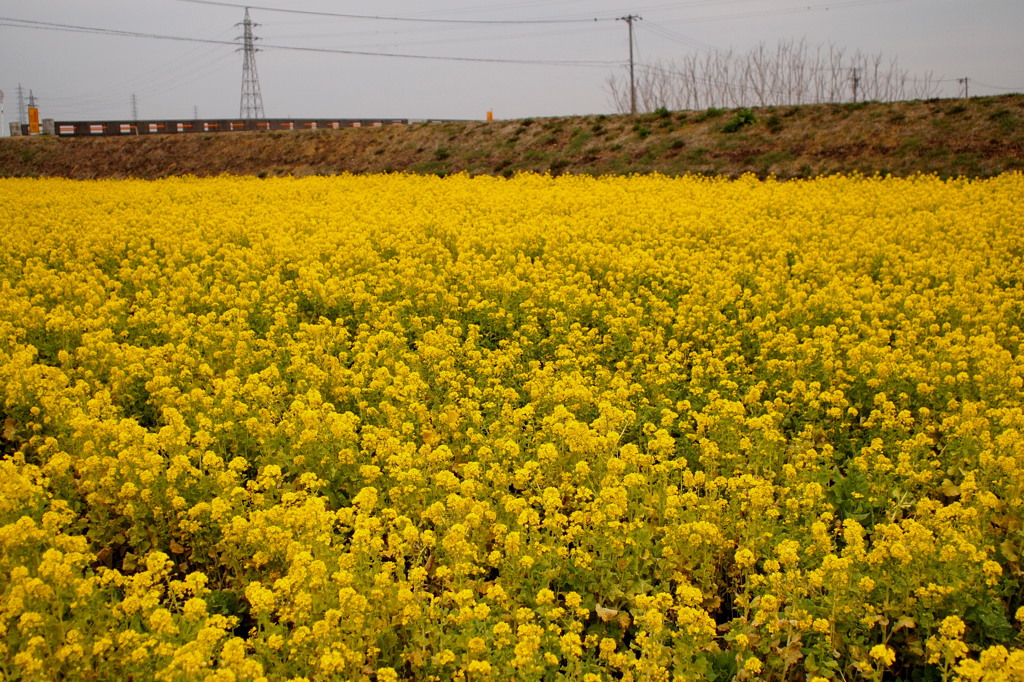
[(252, 98)]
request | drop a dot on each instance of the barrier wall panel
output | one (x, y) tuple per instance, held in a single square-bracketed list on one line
[(178, 126)]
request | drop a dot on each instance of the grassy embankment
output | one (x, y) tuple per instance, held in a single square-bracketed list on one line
[(981, 136)]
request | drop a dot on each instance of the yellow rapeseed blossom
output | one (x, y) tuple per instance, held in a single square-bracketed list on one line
[(396, 427)]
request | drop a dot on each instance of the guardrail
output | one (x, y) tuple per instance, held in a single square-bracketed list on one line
[(220, 125)]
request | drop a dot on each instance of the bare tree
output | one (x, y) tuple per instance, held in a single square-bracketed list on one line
[(791, 73)]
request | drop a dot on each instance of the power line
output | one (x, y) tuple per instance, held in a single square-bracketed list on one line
[(777, 12), (386, 18), (476, 38), (395, 40), (673, 36), (73, 28), (492, 7), (160, 83), (538, 62), (52, 26), (996, 87), (698, 3), (167, 73), (97, 106)]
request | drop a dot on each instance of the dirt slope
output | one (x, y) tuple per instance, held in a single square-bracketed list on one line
[(975, 137)]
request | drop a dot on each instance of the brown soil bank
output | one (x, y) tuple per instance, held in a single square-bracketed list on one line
[(974, 137)]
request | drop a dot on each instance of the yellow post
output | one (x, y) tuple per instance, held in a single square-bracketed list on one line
[(490, 115)]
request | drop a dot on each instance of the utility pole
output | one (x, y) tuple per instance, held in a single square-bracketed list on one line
[(135, 109), (22, 116), (629, 19), (855, 81), (252, 98), (963, 82)]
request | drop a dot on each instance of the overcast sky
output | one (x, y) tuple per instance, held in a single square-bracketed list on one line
[(77, 75)]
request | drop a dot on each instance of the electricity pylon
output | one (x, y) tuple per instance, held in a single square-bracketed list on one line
[(252, 98)]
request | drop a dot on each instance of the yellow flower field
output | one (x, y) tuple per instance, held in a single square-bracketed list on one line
[(396, 427)]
